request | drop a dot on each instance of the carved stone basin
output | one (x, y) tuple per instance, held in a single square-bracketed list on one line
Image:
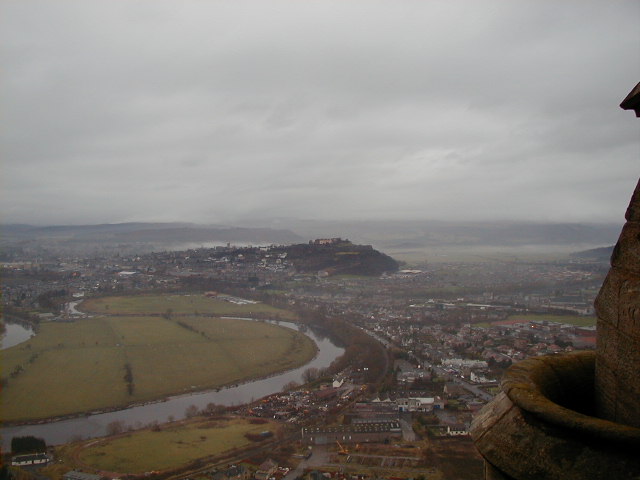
[(541, 426)]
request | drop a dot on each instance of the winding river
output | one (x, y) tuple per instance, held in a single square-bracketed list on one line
[(15, 333), (95, 425)]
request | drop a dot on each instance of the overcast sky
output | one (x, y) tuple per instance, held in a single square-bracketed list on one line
[(220, 112)]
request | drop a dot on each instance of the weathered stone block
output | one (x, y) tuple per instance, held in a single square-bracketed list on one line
[(606, 303), (605, 391), (626, 254), (629, 307), (525, 435), (607, 346), (619, 298), (628, 380), (627, 407), (492, 473), (633, 211), (617, 375)]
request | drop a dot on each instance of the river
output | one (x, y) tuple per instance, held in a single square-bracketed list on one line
[(15, 333), (91, 426)]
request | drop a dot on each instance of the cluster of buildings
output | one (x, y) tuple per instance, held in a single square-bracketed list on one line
[(267, 470), (468, 291), (301, 406), (455, 327), (26, 281)]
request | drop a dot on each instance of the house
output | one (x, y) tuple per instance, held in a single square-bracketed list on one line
[(233, 472), (355, 433), (326, 394), (379, 412), (457, 430), (475, 378), (266, 470), (326, 241), (453, 390), (418, 404), (30, 459)]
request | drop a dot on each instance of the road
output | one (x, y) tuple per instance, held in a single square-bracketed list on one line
[(476, 390), (318, 458), (408, 435)]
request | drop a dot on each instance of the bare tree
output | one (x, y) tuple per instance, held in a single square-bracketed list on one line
[(191, 411), (292, 385), (115, 427), (213, 409), (310, 374)]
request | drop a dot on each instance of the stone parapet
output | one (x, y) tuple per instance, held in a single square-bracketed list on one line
[(541, 427)]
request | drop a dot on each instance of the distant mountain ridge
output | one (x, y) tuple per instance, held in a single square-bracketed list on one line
[(401, 233), (602, 254), (136, 237), (394, 237), (151, 231), (106, 228)]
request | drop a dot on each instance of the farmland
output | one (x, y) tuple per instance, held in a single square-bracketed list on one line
[(577, 320), (115, 360), (182, 305), (170, 446)]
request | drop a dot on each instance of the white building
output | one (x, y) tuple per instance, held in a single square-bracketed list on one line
[(30, 459), (419, 404), (457, 430)]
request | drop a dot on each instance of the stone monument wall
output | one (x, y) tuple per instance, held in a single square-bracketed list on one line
[(617, 374)]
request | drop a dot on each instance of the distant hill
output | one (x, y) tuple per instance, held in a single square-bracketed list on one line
[(394, 237), (339, 257), (136, 237), (425, 233), (207, 234), (327, 257), (602, 254), (416, 241)]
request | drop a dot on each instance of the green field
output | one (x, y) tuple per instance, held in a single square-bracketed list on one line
[(577, 320), (171, 447), (81, 366), (181, 305)]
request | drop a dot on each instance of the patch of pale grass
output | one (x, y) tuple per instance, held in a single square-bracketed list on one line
[(171, 447)]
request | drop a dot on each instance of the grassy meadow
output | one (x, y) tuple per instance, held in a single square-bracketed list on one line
[(577, 320), (180, 305), (173, 446), (82, 366)]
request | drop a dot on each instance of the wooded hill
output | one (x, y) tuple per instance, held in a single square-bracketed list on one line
[(339, 257)]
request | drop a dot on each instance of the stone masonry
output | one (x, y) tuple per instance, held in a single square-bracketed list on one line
[(617, 377)]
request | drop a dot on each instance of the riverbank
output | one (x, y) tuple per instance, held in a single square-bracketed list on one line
[(15, 315), (15, 333), (95, 425), (167, 398), (159, 358)]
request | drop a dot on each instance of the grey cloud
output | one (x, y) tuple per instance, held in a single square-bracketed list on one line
[(205, 110)]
